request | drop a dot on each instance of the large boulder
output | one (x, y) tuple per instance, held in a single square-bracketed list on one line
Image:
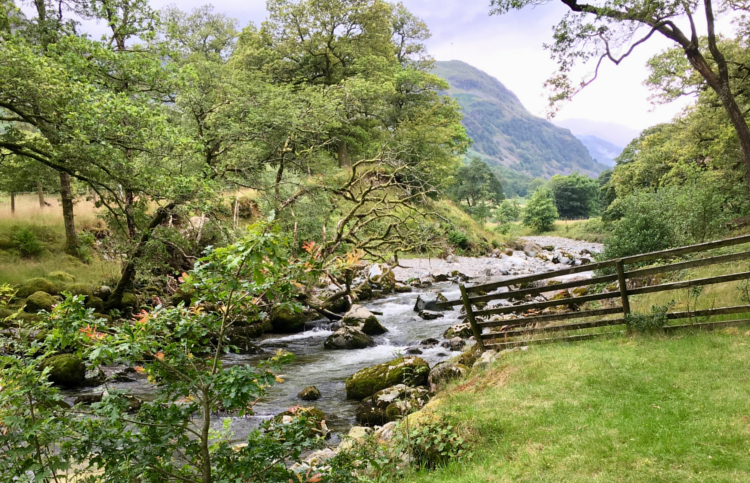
[(348, 338), (391, 404), (531, 249), (445, 372), (364, 320), (422, 304), (65, 369), (411, 370), (39, 301), (286, 321), (34, 285)]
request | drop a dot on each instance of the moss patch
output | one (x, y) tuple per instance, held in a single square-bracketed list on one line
[(412, 371)]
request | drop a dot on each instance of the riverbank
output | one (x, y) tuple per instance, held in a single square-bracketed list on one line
[(622, 410)]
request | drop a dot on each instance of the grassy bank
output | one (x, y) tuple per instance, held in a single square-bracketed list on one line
[(47, 225), (621, 410)]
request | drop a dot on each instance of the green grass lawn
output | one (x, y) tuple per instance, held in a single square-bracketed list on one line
[(641, 409)]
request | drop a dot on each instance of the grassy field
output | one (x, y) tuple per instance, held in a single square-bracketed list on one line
[(641, 409), (47, 224)]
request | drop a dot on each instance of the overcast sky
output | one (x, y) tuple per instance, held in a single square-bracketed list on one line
[(510, 48)]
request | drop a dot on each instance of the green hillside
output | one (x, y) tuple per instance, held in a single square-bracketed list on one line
[(506, 134)]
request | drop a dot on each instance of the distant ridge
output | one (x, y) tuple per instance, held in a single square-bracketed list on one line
[(603, 151), (506, 134)]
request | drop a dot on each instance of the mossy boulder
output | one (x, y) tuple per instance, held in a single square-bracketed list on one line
[(341, 306), (347, 338), (310, 393), (445, 372), (95, 303), (129, 301), (39, 301), (286, 321), (80, 289), (391, 404), (34, 285), (459, 330), (61, 277), (364, 291), (65, 369), (411, 370)]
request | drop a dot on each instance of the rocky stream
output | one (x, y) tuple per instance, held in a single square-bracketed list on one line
[(407, 333)]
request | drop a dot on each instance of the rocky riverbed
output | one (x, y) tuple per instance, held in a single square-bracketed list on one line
[(403, 332)]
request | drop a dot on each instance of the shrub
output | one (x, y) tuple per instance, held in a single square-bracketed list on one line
[(458, 239), (654, 321), (540, 212), (28, 243)]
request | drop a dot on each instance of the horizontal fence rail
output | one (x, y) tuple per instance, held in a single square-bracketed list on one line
[(534, 323)]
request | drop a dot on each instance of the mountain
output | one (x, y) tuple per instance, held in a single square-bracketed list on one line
[(603, 151), (614, 133), (506, 134)]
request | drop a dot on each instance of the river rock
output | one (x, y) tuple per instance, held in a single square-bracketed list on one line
[(422, 304), (310, 393), (65, 369), (39, 301), (348, 338), (485, 360), (440, 277), (410, 370), (459, 330), (364, 320), (430, 315), (445, 372), (429, 342), (286, 321), (391, 404), (531, 249), (386, 432)]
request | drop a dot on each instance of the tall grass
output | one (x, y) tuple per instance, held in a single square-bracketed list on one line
[(47, 224)]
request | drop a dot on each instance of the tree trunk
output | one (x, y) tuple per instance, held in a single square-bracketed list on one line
[(40, 192), (129, 200), (343, 155), (66, 196), (128, 271), (12, 202)]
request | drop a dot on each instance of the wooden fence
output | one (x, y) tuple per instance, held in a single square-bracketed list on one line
[(518, 331)]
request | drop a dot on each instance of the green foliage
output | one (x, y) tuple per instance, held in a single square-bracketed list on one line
[(646, 323), (458, 239), (432, 444), (576, 196), (540, 212), (509, 210), (182, 348), (674, 215), (476, 183), (28, 243)]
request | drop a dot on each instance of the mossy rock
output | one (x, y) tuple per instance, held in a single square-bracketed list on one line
[(80, 289), (39, 301), (106, 317), (580, 291), (129, 300), (341, 306), (95, 303), (65, 369), (34, 285), (61, 277), (347, 338), (183, 296), (470, 356), (310, 393), (411, 370), (562, 295), (313, 415), (459, 330), (364, 291), (286, 321)]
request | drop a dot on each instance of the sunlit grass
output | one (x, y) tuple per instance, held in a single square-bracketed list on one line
[(635, 409), (47, 224)]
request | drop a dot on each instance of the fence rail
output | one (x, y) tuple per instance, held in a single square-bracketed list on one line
[(518, 288)]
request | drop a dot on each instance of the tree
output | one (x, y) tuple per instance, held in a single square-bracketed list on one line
[(535, 184), (476, 183), (576, 196), (612, 29), (509, 210), (540, 212)]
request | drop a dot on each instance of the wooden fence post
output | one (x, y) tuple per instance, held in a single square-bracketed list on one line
[(623, 286), (470, 315)]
